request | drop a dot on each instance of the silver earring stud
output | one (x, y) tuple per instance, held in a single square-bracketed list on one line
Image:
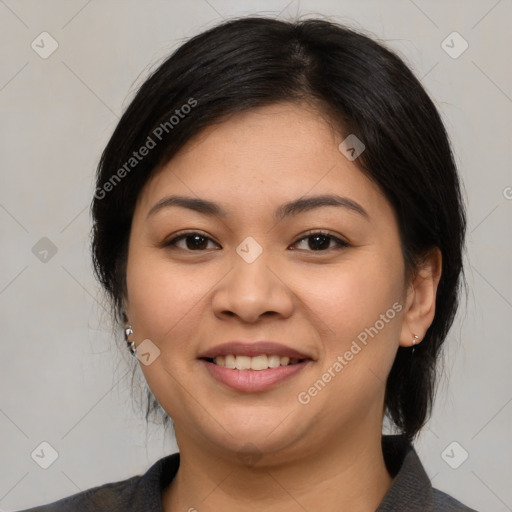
[(414, 341), (131, 344)]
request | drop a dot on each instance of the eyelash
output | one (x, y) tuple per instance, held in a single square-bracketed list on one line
[(341, 243)]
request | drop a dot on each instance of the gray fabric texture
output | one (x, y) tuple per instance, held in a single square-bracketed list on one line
[(411, 490)]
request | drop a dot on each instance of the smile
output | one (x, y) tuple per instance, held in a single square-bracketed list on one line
[(257, 363), (249, 379)]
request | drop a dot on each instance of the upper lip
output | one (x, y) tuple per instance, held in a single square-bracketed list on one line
[(253, 349)]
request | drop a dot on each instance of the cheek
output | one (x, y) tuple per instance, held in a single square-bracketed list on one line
[(165, 307), (351, 297), (161, 295), (357, 310), (359, 317)]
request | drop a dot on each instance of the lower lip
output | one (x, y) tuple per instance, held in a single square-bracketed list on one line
[(252, 381)]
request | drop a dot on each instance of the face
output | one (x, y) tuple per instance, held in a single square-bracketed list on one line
[(319, 281)]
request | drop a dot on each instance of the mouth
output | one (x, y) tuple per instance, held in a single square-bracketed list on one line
[(253, 367), (258, 363)]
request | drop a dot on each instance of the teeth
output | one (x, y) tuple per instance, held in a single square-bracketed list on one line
[(274, 361), (260, 362), (242, 362), (229, 361)]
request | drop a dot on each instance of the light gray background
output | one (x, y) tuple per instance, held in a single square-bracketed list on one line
[(61, 372)]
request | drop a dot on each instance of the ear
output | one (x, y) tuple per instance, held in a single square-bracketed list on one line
[(420, 303), (124, 312)]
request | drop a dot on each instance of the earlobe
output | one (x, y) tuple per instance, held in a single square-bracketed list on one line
[(421, 299), (124, 314)]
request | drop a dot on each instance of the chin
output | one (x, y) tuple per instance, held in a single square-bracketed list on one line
[(256, 436)]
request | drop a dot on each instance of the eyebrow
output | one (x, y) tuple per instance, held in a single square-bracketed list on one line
[(295, 207)]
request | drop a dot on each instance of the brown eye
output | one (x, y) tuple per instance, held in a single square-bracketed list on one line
[(192, 242), (321, 242)]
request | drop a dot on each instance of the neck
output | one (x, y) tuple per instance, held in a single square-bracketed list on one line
[(350, 475)]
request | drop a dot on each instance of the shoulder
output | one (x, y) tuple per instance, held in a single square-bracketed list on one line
[(445, 503), (411, 489), (102, 497), (141, 492)]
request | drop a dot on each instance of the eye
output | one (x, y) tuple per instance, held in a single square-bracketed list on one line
[(320, 241), (193, 241)]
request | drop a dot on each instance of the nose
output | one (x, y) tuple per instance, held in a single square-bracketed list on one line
[(251, 291)]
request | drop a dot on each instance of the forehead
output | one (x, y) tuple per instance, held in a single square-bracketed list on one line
[(270, 154), (284, 132)]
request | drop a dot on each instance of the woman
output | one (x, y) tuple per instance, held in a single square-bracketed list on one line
[(279, 225)]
